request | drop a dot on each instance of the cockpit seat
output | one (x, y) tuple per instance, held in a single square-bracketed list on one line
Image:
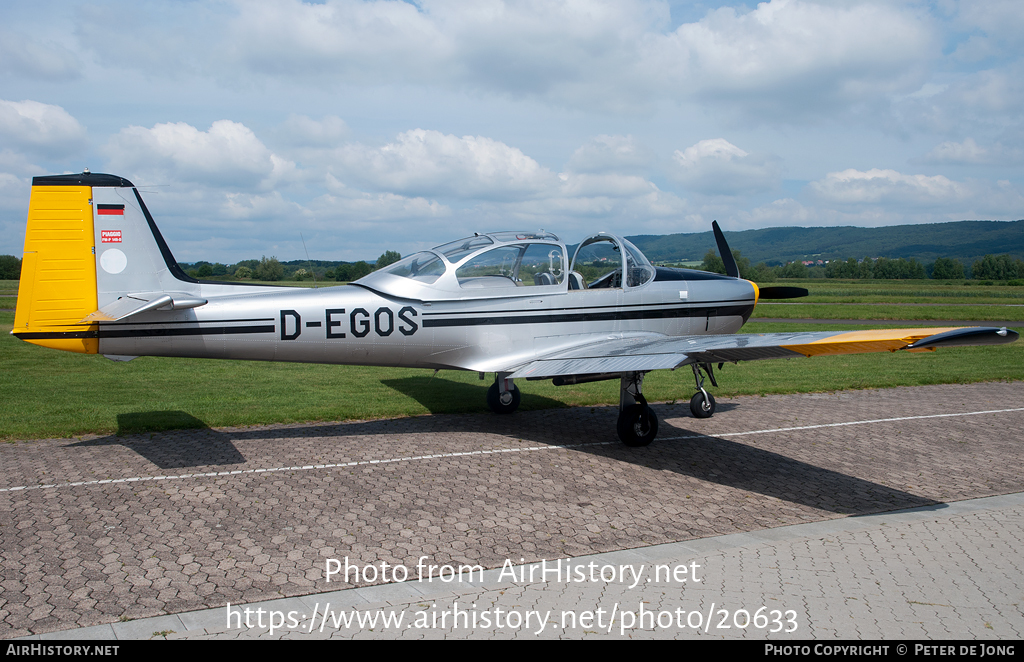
[(544, 278), (576, 281)]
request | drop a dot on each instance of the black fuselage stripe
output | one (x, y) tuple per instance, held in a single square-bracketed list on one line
[(55, 335), (696, 305), (147, 333), (252, 319), (717, 311), (205, 331)]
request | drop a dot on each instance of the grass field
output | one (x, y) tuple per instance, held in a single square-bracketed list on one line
[(893, 311), (8, 293), (905, 291), (47, 393)]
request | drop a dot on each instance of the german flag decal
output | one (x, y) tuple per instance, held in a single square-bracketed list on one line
[(110, 210)]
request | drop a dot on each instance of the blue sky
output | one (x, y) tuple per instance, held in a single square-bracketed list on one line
[(387, 125)]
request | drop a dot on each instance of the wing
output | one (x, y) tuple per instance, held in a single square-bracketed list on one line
[(641, 354)]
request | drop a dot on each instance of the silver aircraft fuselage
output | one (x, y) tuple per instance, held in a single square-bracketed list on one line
[(355, 324)]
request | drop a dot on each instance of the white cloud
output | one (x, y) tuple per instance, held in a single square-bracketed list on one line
[(221, 188), (504, 183), (430, 163), (889, 187), (717, 167), (228, 154), (798, 55), (969, 102), (785, 56), (40, 128), (339, 40), (344, 202)]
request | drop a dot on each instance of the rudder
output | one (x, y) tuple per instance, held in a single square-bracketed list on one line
[(58, 271)]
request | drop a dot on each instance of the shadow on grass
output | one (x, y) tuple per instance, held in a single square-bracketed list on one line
[(200, 446), (441, 396), (157, 421)]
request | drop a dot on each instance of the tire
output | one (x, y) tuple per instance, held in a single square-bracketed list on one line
[(637, 425), (701, 409), (499, 407)]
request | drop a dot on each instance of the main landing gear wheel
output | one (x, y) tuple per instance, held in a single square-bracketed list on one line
[(637, 426), (701, 407), (503, 403)]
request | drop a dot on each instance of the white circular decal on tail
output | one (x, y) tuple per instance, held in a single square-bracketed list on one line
[(113, 261)]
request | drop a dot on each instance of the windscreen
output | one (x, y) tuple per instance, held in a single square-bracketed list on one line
[(425, 267)]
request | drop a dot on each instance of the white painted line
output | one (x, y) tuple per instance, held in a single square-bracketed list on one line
[(838, 425), (411, 458), (525, 449)]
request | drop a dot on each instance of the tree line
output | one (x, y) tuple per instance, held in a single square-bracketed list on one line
[(264, 269), (271, 269), (989, 268)]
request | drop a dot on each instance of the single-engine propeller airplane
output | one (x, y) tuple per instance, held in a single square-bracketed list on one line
[(97, 277)]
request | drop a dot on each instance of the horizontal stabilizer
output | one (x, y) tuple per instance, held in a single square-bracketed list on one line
[(136, 303)]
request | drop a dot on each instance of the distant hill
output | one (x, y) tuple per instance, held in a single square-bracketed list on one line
[(963, 240)]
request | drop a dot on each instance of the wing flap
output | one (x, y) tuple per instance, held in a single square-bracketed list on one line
[(586, 366)]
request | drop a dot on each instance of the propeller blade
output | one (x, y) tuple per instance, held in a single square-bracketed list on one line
[(781, 292), (723, 250)]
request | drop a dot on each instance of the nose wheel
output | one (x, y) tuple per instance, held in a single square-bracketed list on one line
[(702, 404)]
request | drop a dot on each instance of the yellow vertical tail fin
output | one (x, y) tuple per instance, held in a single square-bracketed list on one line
[(58, 274)]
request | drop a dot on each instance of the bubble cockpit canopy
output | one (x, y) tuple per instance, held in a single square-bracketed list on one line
[(509, 264)]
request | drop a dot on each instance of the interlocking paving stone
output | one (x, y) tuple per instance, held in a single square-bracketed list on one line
[(99, 553), (858, 577)]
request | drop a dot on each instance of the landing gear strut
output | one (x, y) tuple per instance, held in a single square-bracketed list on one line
[(702, 404), (637, 424), (503, 396)]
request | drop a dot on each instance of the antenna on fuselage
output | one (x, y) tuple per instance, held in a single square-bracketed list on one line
[(310, 262)]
